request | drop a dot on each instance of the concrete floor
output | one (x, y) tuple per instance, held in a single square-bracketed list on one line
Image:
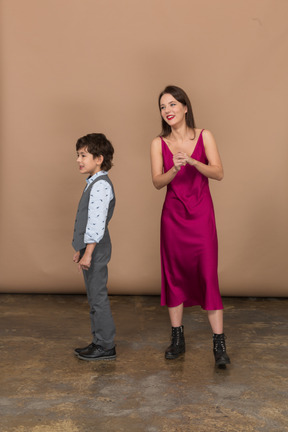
[(44, 387)]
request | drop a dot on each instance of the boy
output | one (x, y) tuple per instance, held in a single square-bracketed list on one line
[(92, 241)]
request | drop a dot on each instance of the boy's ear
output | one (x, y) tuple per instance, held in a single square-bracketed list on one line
[(100, 159)]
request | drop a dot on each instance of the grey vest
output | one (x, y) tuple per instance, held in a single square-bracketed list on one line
[(82, 216)]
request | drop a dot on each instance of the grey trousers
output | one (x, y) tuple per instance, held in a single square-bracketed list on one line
[(102, 323)]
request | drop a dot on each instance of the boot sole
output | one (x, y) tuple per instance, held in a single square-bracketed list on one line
[(172, 357), (222, 363)]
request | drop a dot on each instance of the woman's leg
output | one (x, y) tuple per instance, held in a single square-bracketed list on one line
[(219, 347), (216, 320), (176, 315), (177, 346)]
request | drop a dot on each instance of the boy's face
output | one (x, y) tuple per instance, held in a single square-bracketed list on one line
[(88, 164)]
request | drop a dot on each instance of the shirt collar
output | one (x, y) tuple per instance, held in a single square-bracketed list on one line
[(89, 180)]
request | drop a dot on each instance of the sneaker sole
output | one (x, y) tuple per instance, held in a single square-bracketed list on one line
[(97, 358)]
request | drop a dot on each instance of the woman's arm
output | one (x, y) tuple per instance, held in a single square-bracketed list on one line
[(159, 178), (214, 169)]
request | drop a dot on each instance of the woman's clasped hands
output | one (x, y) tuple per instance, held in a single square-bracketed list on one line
[(181, 159)]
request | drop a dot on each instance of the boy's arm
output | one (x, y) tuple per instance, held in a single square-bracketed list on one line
[(85, 262), (100, 197)]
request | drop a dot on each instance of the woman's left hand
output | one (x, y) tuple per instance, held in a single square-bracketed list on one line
[(213, 169), (189, 160)]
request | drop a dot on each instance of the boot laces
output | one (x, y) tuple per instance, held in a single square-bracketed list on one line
[(176, 335), (220, 344)]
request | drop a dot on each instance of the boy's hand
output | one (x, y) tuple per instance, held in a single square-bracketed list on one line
[(85, 262), (76, 257)]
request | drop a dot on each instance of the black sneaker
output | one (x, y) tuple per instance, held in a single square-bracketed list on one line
[(79, 350), (96, 352)]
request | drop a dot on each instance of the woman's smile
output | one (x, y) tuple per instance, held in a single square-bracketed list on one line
[(172, 110)]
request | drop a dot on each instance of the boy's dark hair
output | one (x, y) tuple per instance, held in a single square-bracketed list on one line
[(180, 95), (97, 144)]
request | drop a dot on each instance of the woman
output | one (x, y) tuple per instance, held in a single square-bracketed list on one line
[(183, 158)]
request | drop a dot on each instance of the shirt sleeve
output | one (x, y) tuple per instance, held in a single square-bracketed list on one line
[(100, 197)]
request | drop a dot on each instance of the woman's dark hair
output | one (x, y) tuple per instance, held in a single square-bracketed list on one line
[(181, 97), (97, 144)]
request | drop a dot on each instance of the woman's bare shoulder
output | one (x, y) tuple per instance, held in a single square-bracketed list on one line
[(156, 143), (208, 139), (207, 134)]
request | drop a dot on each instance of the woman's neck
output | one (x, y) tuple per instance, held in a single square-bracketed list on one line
[(181, 133)]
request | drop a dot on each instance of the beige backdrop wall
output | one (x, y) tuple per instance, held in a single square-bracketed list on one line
[(71, 67)]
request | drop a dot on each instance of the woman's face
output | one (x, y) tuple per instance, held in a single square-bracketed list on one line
[(172, 111)]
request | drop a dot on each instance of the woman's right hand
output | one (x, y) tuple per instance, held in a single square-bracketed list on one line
[(179, 160), (159, 177)]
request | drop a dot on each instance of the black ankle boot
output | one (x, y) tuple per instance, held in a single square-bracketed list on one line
[(219, 350), (177, 346)]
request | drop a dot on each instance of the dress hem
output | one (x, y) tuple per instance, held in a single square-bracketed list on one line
[(186, 304)]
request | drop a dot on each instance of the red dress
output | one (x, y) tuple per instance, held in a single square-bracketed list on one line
[(189, 247)]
